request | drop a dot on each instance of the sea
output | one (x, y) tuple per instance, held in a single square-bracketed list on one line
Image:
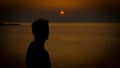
[(70, 44)]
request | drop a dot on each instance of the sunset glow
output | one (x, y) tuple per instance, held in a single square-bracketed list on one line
[(60, 10), (54, 4)]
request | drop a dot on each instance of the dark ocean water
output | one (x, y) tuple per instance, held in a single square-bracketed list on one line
[(70, 45)]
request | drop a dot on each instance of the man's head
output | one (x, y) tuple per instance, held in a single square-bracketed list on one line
[(40, 29)]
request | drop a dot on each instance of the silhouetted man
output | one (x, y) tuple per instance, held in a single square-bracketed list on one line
[(37, 56)]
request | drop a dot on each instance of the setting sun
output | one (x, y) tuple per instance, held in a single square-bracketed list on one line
[(62, 12)]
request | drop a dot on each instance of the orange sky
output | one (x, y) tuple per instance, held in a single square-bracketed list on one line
[(75, 10), (55, 4)]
